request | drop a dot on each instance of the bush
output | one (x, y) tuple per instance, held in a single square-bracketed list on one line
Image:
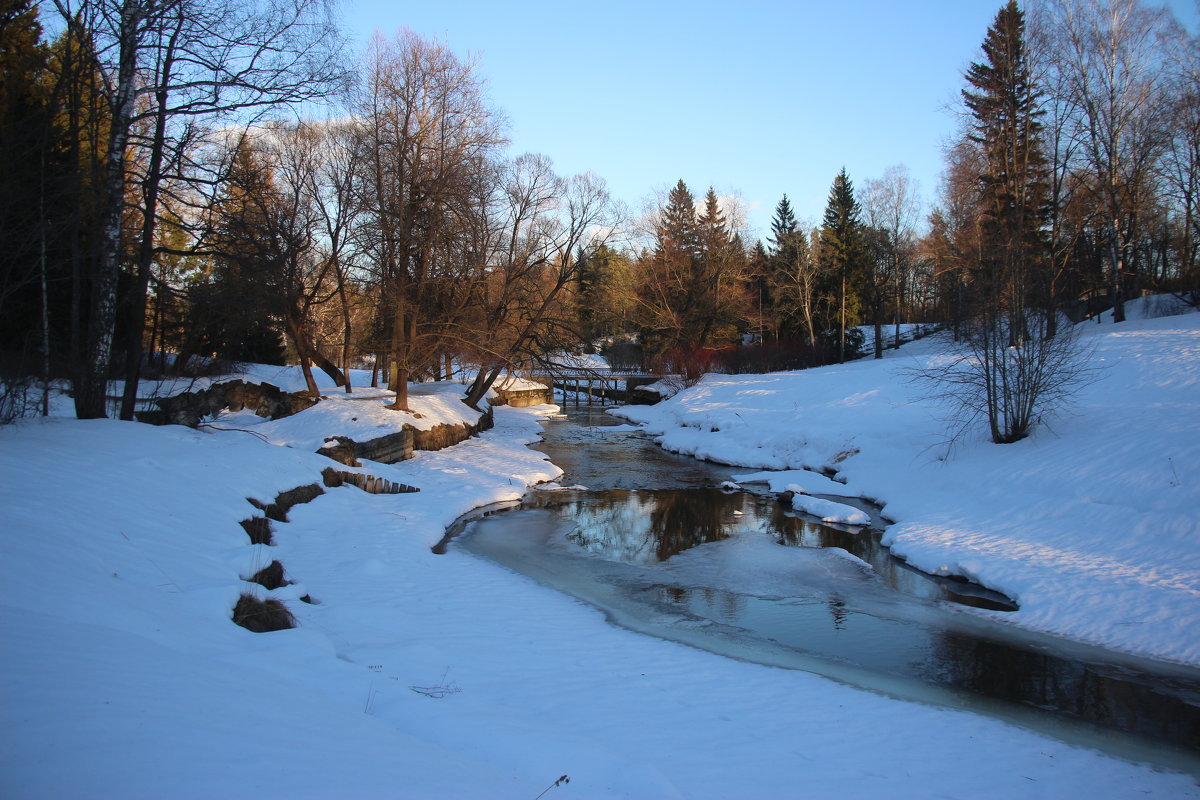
[(1012, 381)]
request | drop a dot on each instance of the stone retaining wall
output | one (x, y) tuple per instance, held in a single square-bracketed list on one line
[(190, 408), (522, 398), (400, 445)]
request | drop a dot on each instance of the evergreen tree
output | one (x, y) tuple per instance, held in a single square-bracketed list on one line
[(842, 259), (794, 290), (678, 234), (667, 291), (1013, 183), (602, 301), (783, 225), (717, 312), (1015, 369), (792, 279), (25, 137), (236, 312), (759, 273)]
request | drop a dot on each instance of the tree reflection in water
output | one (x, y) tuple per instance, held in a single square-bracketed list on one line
[(646, 526)]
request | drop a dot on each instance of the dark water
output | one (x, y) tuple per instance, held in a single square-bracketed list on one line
[(740, 574)]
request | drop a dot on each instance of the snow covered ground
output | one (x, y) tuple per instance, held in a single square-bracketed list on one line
[(1091, 524), (418, 675)]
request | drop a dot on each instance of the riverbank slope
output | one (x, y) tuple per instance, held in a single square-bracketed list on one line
[(1090, 524)]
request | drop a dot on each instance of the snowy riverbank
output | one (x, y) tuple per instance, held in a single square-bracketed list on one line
[(414, 675), (1090, 524)]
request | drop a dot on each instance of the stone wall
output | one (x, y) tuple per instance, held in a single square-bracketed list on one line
[(441, 436), (190, 408), (521, 398), (400, 445)]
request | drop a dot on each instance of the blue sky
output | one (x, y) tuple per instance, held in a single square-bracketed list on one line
[(758, 98)]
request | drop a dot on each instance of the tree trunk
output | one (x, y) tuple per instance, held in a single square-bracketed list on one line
[(303, 352), (92, 387), (145, 262), (479, 387), (346, 332), (329, 368), (399, 385)]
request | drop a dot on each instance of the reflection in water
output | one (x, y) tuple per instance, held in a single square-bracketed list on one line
[(647, 526), (652, 525)]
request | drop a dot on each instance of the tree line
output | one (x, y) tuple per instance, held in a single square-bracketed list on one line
[(165, 187), (176, 209)]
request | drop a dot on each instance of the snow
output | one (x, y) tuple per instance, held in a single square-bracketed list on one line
[(1090, 523), (827, 510), (794, 480), (121, 673), (515, 383), (363, 415)]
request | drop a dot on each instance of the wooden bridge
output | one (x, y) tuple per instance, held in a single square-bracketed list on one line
[(595, 384)]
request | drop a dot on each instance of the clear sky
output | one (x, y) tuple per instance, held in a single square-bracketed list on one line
[(757, 98)]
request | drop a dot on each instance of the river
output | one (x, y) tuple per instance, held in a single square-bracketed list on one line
[(653, 540)]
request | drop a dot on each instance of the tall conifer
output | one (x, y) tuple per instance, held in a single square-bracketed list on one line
[(843, 253), (1004, 105)]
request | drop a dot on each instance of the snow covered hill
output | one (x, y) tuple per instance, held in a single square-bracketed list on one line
[(1091, 524)]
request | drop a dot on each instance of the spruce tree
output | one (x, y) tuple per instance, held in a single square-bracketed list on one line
[(678, 236), (237, 311), (713, 269), (1015, 368), (842, 256), (671, 289), (783, 225), (790, 296), (26, 135), (1006, 126)]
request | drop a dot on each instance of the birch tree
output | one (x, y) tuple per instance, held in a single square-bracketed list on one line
[(169, 68), (1108, 54)]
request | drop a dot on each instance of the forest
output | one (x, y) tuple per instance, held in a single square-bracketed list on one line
[(186, 184)]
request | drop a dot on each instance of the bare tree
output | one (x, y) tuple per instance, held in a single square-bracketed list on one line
[(545, 222), (1181, 162), (891, 207), (1110, 63), (310, 227), (793, 284), (1013, 388), (426, 136)]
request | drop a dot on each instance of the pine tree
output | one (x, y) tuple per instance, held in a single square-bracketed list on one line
[(602, 301), (759, 272), (791, 277), (667, 293), (842, 257), (678, 235)]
